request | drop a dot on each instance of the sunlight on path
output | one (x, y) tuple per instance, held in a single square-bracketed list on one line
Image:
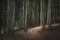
[(35, 29)]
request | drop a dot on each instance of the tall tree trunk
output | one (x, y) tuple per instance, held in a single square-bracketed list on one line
[(4, 15), (41, 12), (0, 17), (42, 22), (33, 12), (7, 24), (49, 14), (37, 12), (44, 14), (23, 12), (13, 18), (26, 15)]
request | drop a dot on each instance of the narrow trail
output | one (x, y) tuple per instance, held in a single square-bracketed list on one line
[(37, 33)]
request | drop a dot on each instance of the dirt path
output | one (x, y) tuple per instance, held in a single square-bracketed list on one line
[(37, 34)]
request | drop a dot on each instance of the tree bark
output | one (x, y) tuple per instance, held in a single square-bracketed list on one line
[(26, 15), (7, 20), (13, 19), (0, 18), (41, 13), (23, 12), (49, 14), (37, 13), (42, 16)]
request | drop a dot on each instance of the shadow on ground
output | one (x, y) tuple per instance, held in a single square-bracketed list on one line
[(36, 34)]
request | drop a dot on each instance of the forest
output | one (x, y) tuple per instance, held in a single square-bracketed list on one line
[(25, 14)]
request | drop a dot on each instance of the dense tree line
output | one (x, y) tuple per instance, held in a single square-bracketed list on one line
[(23, 14)]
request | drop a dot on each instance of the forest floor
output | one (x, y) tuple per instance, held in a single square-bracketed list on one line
[(37, 33)]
